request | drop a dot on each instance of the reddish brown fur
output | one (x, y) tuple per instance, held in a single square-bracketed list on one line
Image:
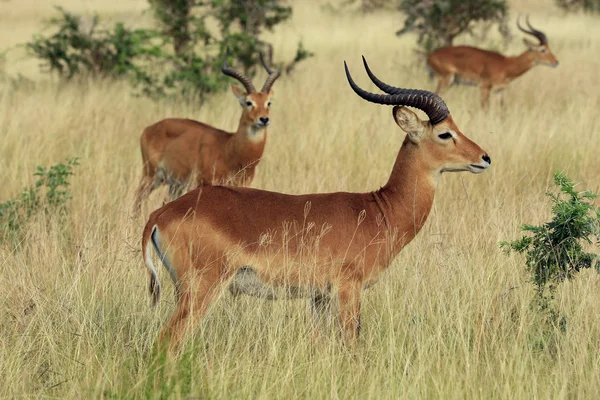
[(329, 243), (487, 68), (177, 150)]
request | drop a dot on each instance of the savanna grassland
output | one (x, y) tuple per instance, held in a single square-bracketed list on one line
[(450, 319)]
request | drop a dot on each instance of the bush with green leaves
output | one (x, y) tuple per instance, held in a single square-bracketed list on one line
[(554, 251), (438, 22), (592, 6), (76, 48), (182, 58), (49, 194)]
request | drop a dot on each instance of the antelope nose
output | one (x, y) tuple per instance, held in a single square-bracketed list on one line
[(264, 120), (487, 159)]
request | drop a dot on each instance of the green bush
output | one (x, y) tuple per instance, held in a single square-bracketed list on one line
[(49, 194), (554, 251), (182, 58), (438, 22), (76, 49)]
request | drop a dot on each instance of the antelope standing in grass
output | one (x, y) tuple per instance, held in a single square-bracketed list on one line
[(321, 246), (176, 150), (489, 69)]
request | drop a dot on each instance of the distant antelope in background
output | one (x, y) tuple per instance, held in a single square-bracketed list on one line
[(176, 150), (326, 246), (489, 69)]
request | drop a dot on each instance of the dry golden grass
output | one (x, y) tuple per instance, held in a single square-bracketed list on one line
[(75, 319)]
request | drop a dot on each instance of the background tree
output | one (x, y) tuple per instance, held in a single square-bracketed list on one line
[(176, 19), (438, 22), (243, 21), (579, 5)]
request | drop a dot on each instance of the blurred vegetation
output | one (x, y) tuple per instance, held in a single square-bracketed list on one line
[(592, 6), (438, 22), (368, 5), (182, 57)]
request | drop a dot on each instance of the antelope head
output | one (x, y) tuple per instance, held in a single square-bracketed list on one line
[(541, 51), (255, 105), (439, 141)]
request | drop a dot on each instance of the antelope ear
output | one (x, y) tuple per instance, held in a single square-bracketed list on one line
[(239, 94), (409, 123)]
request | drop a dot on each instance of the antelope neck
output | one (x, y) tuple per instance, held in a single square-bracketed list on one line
[(520, 64), (248, 142), (406, 199)]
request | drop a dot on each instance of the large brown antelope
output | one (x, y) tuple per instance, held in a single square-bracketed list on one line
[(176, 150), (321, 246), (489, 69)]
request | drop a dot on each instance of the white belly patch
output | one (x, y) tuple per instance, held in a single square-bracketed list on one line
[(247, 281)]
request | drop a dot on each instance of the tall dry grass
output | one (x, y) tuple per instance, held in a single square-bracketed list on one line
[(443, 322)]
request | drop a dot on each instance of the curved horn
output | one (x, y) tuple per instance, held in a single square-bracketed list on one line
[(379, 83), (429, 102), (273, 75), (539, 35), (244, 80)]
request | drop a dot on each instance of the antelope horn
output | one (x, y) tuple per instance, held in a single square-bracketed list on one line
[(273, 75), (429, 102), (379, 83), (237, 75), (539, 35)]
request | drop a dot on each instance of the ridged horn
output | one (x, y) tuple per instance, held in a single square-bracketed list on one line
[(244, 80), (273, 75), (424, 100), (539, 35)]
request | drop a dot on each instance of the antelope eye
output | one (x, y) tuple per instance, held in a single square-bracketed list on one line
[(543, 51), (269, 104), (445, 136), (249, 103)]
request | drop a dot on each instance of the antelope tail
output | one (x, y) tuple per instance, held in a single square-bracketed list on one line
[(152, 234), (149, 235)]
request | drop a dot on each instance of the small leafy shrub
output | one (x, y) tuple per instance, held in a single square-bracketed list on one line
[(49, 194), (554, 250), (579, 5), (76, 48), (438, 22)]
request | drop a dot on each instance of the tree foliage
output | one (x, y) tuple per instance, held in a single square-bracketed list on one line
[(438, 22), (579, 5)]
